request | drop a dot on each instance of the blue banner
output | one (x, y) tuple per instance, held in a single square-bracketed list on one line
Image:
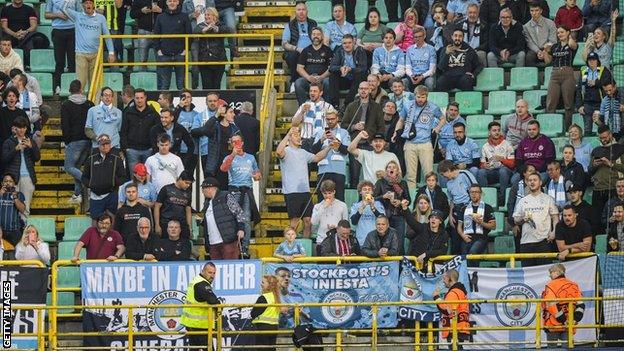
[(161, 283), (359, 282), (416, 286)]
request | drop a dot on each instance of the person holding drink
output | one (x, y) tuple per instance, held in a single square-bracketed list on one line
[(31, 247)]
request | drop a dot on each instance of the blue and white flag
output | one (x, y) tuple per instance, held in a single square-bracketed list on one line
[(161, 283), (612, 272), (358, 282), (417, 286)]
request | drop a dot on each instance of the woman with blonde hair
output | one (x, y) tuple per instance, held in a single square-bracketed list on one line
[(423, 208), (390, 190), (31, 247), (405, 30), (267, 317), (211, 49)]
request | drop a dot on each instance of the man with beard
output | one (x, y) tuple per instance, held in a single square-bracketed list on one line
[(374, 161), (497, 161), (286, 319), (536, 149), (334, 166), (476, 31), (463, 152), (446, 132), (459, 65), (582, 207), (310, 116), (313, 65), (347, 70), (101, 242), (572, 234)]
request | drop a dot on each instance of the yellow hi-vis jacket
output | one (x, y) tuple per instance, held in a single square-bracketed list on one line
[(195, 317), (270, 314)]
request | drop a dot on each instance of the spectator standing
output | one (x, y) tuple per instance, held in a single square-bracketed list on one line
[(571, 170), (464, 152), (11, 208), (249, 128), (89, 26), (536, 149), (224, 222), (290, 248), (418, 120), (267, 318), (103, 173), (137, 122), (346, 70), (476, 223), (10, 112), (391, 190), (19, 154), (171, 21), (32, 84), (601, 42), (310, 116), (420, 61), (589, 89), (295, 178), (365, 211), (141, 245), (177, 136), (388, 60), (146, 191), (616, 231), (340, 242), (537, 214), (373, 161), (394, 14), (313, 65), (174, 203), (113, 11), (515, 127), (173, 247), (128, 215), (20, 22), (295, 38), (334, 166), (456, 291), (570, 15), (562, 82), (582, 149), (101, 242), (63, 38), (145, 13), (555, 185), (597, 13), (212, 49), (446, 132), (31, 247), (437, 198), (583, 208), (607, 211), (540, 33), (459, 65), (422, 208), (398, 96), (164, 167), (427, 240), (9, 59), (327, 213), (391, 118), (497, 161), (30, 103), (336, 30), (610, 113), (572, 234), (104, 118), (382, 241), (506, 41), (74, 112), (186, 115), (516, 192)]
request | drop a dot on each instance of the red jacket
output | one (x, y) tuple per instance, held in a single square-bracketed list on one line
[(571, 18)]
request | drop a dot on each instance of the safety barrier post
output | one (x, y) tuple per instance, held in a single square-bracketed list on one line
[(430, 336), (40, 326), (416, 336), (54, 311), (454, 331), (374, 329), (512, 262), (130, 329), (210, 326), (570, 330), (297, 315), (187, 52), (538, 325), (219, 328), (339, 341)]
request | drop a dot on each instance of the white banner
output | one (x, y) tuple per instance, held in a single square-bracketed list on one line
[(518, 284)]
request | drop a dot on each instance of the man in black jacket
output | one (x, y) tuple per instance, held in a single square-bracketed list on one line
[(103, 173), (340, 242), (476, 32), (173, 247), (129, 213), (141, 245), (177, 131), (459, 65), (137, 122), (171, 21), (145, 13), (346, 70), (77, 145), (295, 38), (249, 128), (506, 43)]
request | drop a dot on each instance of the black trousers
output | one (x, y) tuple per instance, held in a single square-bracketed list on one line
[(291, 58), (64, 52), (447, 82), (190, 163), (337, 83), (599, 199), (349, 8), (266, 339), (394, 15), (211, 76), (197, 340), (339, 180), (538, 247)]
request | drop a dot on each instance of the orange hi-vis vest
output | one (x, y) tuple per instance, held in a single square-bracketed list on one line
[(457, 292), (555, 314)]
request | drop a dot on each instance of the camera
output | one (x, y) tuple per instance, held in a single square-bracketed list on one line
[(10, 189)]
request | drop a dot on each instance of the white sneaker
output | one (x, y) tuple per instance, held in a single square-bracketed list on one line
[(292, 87), (76, 199)]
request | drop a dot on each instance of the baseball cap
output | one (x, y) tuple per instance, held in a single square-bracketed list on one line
[(593, 56), (210, 182), (104, 139), (140, 169), (574, 187), (436, 213), (378, 136)]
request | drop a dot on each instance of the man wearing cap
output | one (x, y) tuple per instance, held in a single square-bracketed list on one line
[(589, 89), (164, 167), (103, 173), (127, 216), (223, 222), (427, 240), (174, 202), (572, 234), (583, 208), (104, 119), (146, 191), (373, 162)]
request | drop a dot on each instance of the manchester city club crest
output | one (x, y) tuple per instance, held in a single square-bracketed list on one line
[(337, 315), (515, 314), (166, 319)]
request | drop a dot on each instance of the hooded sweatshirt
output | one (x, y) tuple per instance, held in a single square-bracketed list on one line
[(537, 152), (389, 61), (515, 128)]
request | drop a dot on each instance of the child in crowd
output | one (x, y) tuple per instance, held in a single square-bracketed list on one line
[(290, 248)]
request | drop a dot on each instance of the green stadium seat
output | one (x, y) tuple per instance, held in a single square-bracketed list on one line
[(517, 264), (351, 196), (68, 277), (66, 250), (501, 102), (618, 54), (559, 144), (476, 125), (489, 264), (359, 26), (75, 226), (45, 83), (321, 11), (578, 119), (127, 42), (601, 244), (490, 79), (439, 98), (551, 124), (63, 298), (523, 78), (46, 227), (114, 80), (470, 102), (500, 225), (307, 245), (534, 99), (578, 58), (553, 6), (195, 230), (504, 244), (47, 31), (503, 206), (19, 53), (392, 25), (42, 60), (618, 73), (480, 142), (145, 80), (381, 6), (490, 197), (361, 9), (547, 73)]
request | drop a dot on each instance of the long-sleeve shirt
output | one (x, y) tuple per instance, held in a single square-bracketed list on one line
[(23, 252), (88, 29), (599, 14), (56, 6), (388, 61), (173, 250), (539, 33), (323, 216)]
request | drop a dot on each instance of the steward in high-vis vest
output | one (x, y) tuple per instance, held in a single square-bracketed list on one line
[(267, 318), (555, 314), (456, 292), (196, 318)]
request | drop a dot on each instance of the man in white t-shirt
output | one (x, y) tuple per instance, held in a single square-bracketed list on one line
[(375, 161), (164, 167), (538, 215)]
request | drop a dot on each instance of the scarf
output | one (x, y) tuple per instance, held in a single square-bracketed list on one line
[(436, 37), (430, 194), (395, 183), (557, 191), (472, 40), (77, 99), (520, 194), (342, 247), (470, 226), (108, 116), (25, 100)]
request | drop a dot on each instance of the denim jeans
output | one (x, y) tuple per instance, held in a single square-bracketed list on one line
[(164, 72), (502, 175), (134, 156), (144, 45), (478, 245), (76, 153), (246, 206), (228, 18)]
